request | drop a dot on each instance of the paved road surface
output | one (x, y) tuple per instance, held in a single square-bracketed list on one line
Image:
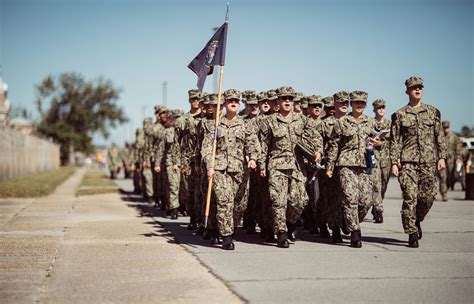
[(383, 270)]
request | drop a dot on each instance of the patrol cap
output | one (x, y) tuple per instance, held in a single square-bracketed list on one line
[(176, 113), (304, 103), (212, 99), (194, 93), (445, 124), (314, 100), (232, 94), (299, 96), (159, 109), (250, 97), (272, 95), (341, 96), (262, 96), (285, 91), (328, 102), (147, 121), (378, 103), (414, 81), (359, 96)]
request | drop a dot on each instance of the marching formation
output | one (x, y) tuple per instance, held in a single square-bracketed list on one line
[(287, 159)]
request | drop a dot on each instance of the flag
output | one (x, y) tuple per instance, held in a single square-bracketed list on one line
[(212, 54)]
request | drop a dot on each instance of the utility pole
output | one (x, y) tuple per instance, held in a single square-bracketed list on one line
[(164, 92)]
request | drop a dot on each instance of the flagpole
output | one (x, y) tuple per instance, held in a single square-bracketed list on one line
[(214, 146)]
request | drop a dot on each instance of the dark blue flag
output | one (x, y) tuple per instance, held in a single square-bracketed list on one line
[(212, 54)]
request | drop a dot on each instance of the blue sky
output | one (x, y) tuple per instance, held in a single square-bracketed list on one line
[(318, 47)]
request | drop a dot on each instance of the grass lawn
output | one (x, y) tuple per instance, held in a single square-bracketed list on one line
[(96, 182), (35, 185)]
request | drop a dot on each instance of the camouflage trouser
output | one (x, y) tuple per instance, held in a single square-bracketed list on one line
[(137, 178), (147, 182), (160, 184), (186, 191), (288, 196), (332, 196), (446, 178), (356, 195), (252, 216), (418, 184), (231, 191), (173, 178), (380, 177)]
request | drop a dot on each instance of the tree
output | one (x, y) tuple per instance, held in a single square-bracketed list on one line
[(73, 109)]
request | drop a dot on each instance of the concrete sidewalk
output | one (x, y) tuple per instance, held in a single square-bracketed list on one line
[(90, 249)]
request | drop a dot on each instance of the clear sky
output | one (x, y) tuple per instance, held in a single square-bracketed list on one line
[(318, 47)]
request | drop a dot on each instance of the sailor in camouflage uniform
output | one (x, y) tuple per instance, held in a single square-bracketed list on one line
[(338, 104), (286, 179), (381, 172), (417, 150), (137, 150), (235, 144), (159, 177), (347, 150), (186, 138), (447, 178), (147, 160)]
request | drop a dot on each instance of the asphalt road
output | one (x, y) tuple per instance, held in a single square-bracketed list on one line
[(314, 270)]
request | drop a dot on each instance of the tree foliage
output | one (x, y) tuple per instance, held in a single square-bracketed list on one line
[(73, 109)]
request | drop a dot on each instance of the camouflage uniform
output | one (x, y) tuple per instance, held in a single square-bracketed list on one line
[(417, 142), (381, 172), (113, 161), (447, 177), (330, 200), (285, 177), (230, 183), (159, 178), (170, 151), (148, 149), (186, 128), (347, 150), (137, 158)]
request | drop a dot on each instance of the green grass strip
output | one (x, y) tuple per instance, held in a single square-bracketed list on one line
[(96, 182), (35, 185)]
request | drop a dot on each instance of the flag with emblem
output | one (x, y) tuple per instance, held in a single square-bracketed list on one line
[(212, 54)]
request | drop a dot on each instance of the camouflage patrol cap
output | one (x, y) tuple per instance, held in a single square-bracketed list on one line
[(232, 94), (159, 109), (378, 103), (194, 93), (212, 99), (176, 113), (147, 121), (314, 100), (249, 97), (414, 81), (359, 96), (285, 91), (272, 95), (341, 96), (204, 98), (298, 97), (445, 124), (304, 103), (262, 96), (328, 102)]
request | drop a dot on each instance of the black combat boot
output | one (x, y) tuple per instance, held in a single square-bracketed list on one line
[(413, 240), (336, 236), (192, 224), (282, 241), (379, 219), (206, 234), (420, 232), (200, 230), (227, 243), (174, 214), (215, 237), (270, 237), (314, 229), (355, 239), (324, 232), (291, 231)]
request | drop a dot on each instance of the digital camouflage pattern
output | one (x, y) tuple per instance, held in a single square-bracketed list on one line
[(234, 144), (417, 142), (381, 172), (448, 176)]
